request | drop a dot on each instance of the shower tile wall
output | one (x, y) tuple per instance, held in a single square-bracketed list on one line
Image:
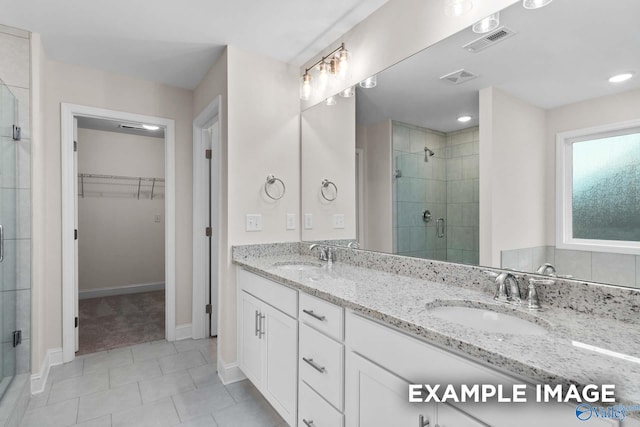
[(15, 73), (446, 185)]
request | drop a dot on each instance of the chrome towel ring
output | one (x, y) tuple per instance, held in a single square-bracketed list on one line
[(271, 180), (324, 186)]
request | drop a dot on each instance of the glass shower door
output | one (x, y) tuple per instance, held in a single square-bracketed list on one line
[(8, 222)]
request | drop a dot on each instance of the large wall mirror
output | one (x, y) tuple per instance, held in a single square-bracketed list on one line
[(453, 155)]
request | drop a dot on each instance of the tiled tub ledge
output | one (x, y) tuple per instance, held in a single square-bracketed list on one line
[(399, 291)]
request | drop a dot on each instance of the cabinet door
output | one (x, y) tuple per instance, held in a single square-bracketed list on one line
[(281, 357), (251, 342), (449, 416), (378, 398)]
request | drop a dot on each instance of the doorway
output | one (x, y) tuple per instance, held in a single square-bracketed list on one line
[(207, 229), (120, 223), (105, 184)]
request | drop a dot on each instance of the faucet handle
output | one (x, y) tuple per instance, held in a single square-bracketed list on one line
[(533, 302)]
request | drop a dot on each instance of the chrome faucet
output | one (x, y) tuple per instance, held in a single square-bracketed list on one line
[(546, 269), (325, 253), (354, 244), (507, 289)]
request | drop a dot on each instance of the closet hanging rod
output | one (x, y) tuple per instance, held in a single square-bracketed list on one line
[(132, 178)]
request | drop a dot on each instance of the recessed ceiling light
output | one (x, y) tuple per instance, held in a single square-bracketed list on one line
[(464, 119), (369, 82), (151, 127), (620, 78), (535, 4)]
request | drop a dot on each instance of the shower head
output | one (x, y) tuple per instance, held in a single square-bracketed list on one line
[(427, 153)]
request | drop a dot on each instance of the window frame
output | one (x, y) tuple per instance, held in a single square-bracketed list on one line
[(564, 189)]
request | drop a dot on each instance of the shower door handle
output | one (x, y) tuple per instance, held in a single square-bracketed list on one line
[(1, 243), (440, 228)]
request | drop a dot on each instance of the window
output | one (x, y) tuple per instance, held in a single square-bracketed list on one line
[(598, 189)]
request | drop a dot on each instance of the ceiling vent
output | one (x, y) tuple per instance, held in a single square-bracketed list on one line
[(489, 40), (458, 77)]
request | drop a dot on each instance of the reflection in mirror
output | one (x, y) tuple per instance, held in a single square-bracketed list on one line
[(458, 143)]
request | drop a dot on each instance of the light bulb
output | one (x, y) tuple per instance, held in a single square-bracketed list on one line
[(330, 101), (151, 127), (348, 92), (457, 7), (535, 4), (343, 64), (305, 87), (464, 119), (323, 76), (370, 82), (620, 78), (487, 24)]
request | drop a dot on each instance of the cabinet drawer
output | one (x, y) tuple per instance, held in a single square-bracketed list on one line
[(322, 315), (279, 296), (314, 411), (321, 365)]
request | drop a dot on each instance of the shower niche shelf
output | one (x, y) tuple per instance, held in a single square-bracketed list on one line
[(136, 187)]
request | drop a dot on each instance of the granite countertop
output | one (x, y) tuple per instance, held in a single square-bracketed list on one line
[(404, 302)]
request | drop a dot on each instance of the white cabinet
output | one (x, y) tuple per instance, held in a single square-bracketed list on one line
[(268, 347)]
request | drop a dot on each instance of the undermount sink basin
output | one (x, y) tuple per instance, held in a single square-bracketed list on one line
[(487, 320), (297, 265)]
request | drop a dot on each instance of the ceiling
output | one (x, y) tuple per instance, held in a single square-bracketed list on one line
[(563, 53), (114, 126), (175, 42)]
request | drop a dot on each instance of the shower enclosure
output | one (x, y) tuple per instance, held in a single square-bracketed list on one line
[(8, 234), (435, 209)]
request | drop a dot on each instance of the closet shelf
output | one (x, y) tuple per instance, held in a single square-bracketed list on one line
[(93, 185)]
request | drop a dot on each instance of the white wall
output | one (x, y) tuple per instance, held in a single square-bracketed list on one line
[(119, 242), (512, 175), (400, 28), (594, 112), (85, 86), (375, 140), (328, 139)]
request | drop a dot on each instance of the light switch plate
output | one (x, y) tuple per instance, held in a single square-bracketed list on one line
[(291, 221), (254, 222), (308, 221), (338, 220)]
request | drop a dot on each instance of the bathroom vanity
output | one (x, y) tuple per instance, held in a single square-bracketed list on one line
[(340, 345)]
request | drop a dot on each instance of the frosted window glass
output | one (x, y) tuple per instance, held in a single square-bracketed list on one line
[(606, 188)]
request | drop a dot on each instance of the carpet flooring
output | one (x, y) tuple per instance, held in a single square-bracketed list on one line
[(120, 321)]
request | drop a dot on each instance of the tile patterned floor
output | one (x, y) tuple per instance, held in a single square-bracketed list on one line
[(153, 384)]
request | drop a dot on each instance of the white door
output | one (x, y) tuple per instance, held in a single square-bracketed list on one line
[(378, 398), (76, 303), (281, 373), (251, 340)]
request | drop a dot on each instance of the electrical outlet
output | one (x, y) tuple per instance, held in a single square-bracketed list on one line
[(157, 218), (338, 221), (291, 221), (254, 222), (308, 221)]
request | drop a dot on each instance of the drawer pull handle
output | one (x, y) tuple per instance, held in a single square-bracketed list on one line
[(308, 423), (314, 365), (315, 316), (257, 320), (261, 330), (422, 422)]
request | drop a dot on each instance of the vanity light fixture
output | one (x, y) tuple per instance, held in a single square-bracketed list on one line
[(369, 82), (330, 101), (457, 7), (619, 78), (151, 127), (464, 119), (487, 24), (335, 64), (348, 92), (535, 4)]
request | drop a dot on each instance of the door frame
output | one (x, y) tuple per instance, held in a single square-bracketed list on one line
[(213, 112), (67, 114)]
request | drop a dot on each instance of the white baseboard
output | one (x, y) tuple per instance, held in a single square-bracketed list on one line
[(184, 332), (39, 380), (229, 372), (121, 290)]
